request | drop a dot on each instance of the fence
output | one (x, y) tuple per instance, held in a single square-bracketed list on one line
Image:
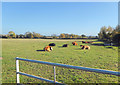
[(60, 65)]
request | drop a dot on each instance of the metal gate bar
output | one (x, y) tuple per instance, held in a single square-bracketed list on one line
[(60, 65)]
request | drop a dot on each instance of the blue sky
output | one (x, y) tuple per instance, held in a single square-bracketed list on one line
[(49, 18)]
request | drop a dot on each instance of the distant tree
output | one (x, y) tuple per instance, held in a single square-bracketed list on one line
[(44, 37), (54, 36), (79, 36), (21, 36), (109, 34), (83, 35), (116, 30), (66, 35), (28, 35), (0, 35), (17, 36), (96, 36), (62, 35), (11, 34), (89, 36), (116, 39), (4, 36), (102, 33), (36, 35), (75, 36), (116, 35), (109, 29), (71, 36)]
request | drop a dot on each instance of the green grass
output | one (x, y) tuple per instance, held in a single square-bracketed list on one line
[(97, 57)]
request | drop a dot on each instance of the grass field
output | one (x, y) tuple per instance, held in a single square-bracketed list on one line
[(97, 57)]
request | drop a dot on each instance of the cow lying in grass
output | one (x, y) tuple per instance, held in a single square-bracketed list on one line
[(48, 48), (65, 45), (74, 43), (83, 41), (52, 44), (85, 47)]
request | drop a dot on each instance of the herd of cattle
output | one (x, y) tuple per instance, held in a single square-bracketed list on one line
[(49, 48)]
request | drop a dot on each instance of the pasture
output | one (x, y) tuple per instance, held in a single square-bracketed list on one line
[(101, 57)]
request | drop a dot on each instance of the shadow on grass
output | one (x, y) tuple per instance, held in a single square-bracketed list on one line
[(88, 41), (109, 47), (98, 44), (40, 50)]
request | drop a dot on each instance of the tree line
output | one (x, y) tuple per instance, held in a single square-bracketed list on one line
[(110, 34), (33, 35)]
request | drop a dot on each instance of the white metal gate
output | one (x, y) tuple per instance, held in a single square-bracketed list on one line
[(60, 65)]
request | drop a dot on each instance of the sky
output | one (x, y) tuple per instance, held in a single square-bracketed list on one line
[(49, 18)]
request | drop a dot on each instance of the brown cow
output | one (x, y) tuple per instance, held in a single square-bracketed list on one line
[(48, 48), (85, 47), (74, 43), (84, 42)]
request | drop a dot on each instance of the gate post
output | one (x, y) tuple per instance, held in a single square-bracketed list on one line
[(54, 75), (17, 70)]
